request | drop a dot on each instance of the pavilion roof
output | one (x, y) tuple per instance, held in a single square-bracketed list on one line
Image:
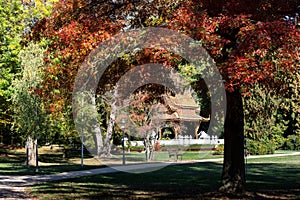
[(179, 107)]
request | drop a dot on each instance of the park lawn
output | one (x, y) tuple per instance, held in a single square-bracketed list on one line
[(266, 178), (284, 151), (163, 156), (12, 162), (288, 159), (170, 182), (16, 166)]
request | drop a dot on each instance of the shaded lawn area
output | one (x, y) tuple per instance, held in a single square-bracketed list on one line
[(13, 163), (266, 179), (14, 167), (271, 177), (169, 182)]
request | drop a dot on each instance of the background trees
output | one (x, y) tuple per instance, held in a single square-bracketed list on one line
[(16, 20), (271, 118), (29, 109), (11, 27)]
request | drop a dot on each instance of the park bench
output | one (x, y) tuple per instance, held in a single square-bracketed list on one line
[(176, 153)]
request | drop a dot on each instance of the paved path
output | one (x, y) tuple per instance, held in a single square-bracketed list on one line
[(12, 187)]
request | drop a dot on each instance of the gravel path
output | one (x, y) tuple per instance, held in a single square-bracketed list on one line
[(13, 187)]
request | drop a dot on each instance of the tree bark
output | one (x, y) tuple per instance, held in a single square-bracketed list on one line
[(31, 151), (149, 142), (36, 150), (147, 147), (99, 141), (111, 123), (233, 176)]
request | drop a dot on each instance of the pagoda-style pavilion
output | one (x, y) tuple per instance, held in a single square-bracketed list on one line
[(180, 112)]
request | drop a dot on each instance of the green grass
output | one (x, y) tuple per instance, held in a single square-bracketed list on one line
[(16, 166), (164, 156), (284, 151), (179, 181), (13, 162), (274, 173), (289, 159), (170, 182)]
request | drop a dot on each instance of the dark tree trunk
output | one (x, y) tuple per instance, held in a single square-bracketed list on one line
[(233, 176)]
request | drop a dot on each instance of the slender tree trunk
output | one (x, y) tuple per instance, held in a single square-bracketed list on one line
[(149, 142), (233, 177), (152, 143), (36, 155), (111, 123), (95, 129), (147, 147), (27, 153), (99, 141), (31, 151)]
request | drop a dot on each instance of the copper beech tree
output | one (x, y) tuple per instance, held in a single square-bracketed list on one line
[(248, 40)]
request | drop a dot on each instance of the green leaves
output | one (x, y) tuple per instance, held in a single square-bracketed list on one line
[(11, 26), (29, 109)]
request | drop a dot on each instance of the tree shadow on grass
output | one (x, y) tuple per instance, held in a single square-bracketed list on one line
[(17, 165), (177, 181), (274, 180), (198, 180), (7, 193)]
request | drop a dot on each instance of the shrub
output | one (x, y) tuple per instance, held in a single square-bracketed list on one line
[(137, 148), (219, 149), (195, 146), (292, 142), (278, 141), (260, 147), (128, 145), (157, 146)]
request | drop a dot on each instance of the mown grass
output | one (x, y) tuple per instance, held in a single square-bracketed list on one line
[(13, 162), (288, 159), (162, 156), (276, 177), (170, 182)]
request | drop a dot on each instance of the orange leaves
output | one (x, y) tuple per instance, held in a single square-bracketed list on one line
[(72, 30)]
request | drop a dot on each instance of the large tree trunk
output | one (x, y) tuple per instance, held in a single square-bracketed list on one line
[(233, 177)]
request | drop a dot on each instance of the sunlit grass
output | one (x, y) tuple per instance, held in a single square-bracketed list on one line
[(289, 159)]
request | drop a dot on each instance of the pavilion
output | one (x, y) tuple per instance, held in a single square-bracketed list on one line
[(180, 113)]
